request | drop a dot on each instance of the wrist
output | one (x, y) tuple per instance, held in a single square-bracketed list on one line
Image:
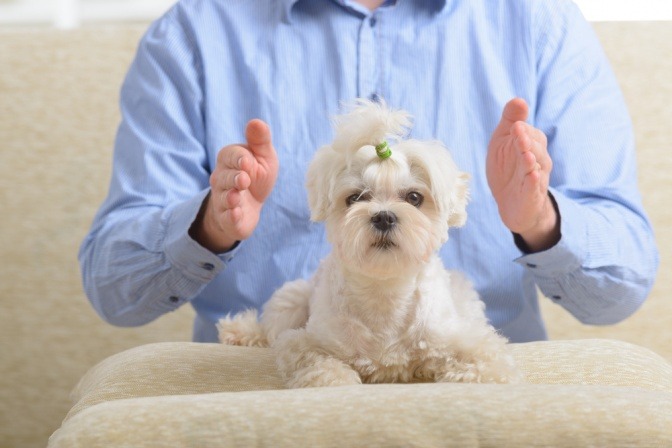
[(205, 232), (545, 233)]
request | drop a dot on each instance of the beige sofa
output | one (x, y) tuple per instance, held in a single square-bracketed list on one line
[(58, 113)]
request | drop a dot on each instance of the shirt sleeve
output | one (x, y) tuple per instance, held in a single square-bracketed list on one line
[(138, 261), (604, 266)]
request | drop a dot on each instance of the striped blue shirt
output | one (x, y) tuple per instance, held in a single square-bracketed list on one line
[(208, 66)]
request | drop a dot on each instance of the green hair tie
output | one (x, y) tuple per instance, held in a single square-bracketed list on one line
[(383, 150)]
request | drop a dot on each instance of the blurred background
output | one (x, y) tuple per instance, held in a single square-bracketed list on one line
[(61, 66)]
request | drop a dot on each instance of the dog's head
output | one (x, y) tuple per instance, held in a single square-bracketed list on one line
[(384, 216)]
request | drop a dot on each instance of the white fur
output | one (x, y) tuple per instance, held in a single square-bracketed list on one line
[(381, 307), (368, 123)]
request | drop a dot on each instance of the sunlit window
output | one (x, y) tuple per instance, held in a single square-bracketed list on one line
[(73, 13)]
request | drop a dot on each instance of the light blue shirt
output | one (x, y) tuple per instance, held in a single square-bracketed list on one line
[(207, 67)]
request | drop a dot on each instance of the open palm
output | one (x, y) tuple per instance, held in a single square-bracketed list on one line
[(518, 169)]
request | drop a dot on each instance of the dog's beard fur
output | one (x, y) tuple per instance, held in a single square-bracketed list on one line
[(380, 254)]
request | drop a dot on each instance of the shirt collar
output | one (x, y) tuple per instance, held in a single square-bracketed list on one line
[(289, 5)]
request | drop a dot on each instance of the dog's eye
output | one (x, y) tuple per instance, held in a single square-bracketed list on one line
[(357, 197), (414, 198)]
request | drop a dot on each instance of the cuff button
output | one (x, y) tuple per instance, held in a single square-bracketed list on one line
[(208, 266)]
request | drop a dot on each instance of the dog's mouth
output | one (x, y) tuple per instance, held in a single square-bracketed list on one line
[(384, 243)]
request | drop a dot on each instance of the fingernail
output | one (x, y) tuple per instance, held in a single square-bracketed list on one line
[(239, 162)]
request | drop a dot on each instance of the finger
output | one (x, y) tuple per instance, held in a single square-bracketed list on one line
[(523, 142), (224, 180), (230, 199), (542, 161), (232, 157), (528, 138), (258, 136), (532, 186), (227, 207), (514, 111), (538, 136), (541, 154), (520, 127), (233, 215), (527, 164)]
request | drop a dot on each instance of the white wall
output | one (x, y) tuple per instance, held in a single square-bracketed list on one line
[(626, 10), (72, 13)]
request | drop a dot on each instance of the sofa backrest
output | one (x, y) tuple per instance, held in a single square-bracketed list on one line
[(58, 116)]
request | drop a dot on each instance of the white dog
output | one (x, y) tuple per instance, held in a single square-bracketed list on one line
[(381, 307)]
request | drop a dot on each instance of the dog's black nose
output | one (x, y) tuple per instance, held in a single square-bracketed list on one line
[(384, 221)]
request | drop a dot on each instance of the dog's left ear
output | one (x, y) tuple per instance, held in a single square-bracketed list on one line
[(449, 185), (321, 177), (458, 201)]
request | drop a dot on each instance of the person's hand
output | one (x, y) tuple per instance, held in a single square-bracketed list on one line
[(518, 169), (240, 183)]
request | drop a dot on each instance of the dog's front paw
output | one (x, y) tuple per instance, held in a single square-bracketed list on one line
[(500, 368), (304, 363), (482, 372), (242, 329), (324, 373), (484, 366)]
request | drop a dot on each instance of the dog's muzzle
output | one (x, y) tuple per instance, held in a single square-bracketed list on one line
[(384, 221)]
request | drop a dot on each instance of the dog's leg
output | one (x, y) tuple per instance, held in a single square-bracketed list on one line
[(242, 329), (287, 309), (484, 360), (304, 363), (484, 357)]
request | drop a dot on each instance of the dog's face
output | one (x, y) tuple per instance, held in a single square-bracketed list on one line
[(385, 217)]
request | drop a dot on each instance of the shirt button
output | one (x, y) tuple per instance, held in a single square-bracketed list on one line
[(174, 299), (531, 265), (208, 266)]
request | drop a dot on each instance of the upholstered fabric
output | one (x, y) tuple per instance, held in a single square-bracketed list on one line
[(447, 415), (577, 393)]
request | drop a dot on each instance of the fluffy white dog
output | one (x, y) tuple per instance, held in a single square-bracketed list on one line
[(381, 307)]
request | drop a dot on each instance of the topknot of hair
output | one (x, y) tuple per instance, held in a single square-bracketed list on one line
[(368, 123)]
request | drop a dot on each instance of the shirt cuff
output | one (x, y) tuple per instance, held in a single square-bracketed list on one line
[(184, 253), (569, 254)]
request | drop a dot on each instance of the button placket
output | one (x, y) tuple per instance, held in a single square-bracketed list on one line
[(367, 60)]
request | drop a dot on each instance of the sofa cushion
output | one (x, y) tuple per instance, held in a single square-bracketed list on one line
[(597, 392)]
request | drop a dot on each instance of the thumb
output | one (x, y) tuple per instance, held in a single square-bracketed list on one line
[(258, 136), (514, 111)]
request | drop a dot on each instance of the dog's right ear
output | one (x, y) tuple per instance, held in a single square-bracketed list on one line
[(458, 200), (321, 177)]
